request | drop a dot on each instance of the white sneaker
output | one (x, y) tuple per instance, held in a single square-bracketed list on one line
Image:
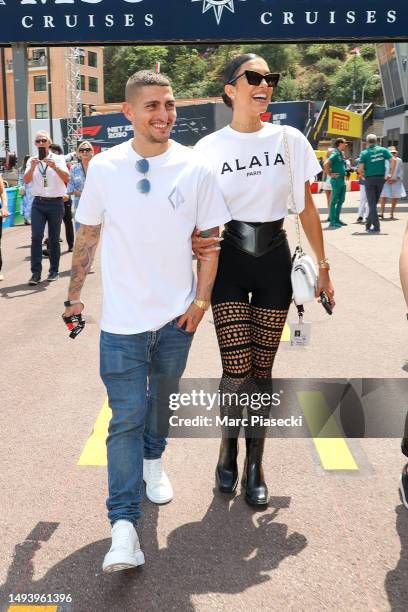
[(1, 277), (125, 551), (158, 486)]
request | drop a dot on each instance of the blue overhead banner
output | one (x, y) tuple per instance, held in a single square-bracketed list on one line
[(149, 21)]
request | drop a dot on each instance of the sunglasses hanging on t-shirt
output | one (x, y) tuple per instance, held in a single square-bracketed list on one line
[(143, 166)]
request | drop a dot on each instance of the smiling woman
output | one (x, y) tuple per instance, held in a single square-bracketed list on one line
[(252, 291)]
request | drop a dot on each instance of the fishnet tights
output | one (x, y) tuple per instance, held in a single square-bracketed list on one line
[(248, 338)]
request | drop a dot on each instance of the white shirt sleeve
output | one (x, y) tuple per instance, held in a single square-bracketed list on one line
[(211, 208), (91, 210), (305, 167), (60, 162)]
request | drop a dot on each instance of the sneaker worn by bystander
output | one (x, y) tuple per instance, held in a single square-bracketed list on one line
[(35, 279)]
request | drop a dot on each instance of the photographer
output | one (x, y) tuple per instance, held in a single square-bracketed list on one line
[(48, 174)]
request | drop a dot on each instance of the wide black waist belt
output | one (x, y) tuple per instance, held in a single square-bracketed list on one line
[(255, 238)]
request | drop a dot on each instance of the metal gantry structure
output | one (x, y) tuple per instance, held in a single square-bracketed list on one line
[(74, 106)]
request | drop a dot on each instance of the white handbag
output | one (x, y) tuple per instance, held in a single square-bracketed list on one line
[(304, 274)]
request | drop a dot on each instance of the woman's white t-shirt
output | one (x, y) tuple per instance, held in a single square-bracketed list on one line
[(253, 173), (147, 272)]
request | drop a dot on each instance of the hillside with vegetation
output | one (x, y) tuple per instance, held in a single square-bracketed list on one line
[(309, 72)]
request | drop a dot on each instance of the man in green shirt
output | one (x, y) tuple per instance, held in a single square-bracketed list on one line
[(372, 168), (335, 167)]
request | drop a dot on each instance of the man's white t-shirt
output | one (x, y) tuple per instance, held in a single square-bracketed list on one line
[(146, 257), (56, 187), (253, 173)]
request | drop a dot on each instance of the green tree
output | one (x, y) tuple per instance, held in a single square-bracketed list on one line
[(317, 87), (328, 65), (353, 74), (368, 51), (122, 62), (280, 58), (316, 71), (288, 89)]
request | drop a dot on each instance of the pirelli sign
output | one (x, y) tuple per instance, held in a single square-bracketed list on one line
[(344, 123)]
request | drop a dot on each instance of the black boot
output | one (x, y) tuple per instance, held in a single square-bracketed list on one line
[(256, 491), (226, 472)]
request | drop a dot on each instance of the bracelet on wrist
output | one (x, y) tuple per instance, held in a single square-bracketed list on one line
[(203, 304), (70, 303), (324, 264)]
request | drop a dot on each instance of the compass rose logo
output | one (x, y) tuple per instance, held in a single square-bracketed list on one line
[(218, 6)]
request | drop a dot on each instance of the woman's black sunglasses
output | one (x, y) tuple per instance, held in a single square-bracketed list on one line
[(85, 150), (256, 78)]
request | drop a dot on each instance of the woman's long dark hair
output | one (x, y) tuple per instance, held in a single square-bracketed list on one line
[(231, 70)]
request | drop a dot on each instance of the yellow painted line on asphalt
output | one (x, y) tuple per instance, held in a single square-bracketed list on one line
[(94, 452), (32, 608), (332, 448)]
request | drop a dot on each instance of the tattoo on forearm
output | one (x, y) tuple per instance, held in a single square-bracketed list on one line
[(84, 252)]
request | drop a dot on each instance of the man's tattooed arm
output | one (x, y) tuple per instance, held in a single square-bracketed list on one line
[(86, 243), (207, 270)]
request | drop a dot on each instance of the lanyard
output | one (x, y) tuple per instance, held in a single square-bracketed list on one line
[(43, 173), (41, 169)]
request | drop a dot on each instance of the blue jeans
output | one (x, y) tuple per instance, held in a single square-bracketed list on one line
[(138, 371), (43, 211)]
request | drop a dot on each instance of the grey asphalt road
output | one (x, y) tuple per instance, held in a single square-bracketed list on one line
[(330, 539)]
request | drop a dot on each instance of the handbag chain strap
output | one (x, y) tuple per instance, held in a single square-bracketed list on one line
[(292, 192)]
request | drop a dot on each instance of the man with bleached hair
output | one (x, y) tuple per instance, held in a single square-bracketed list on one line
[(372, 169)]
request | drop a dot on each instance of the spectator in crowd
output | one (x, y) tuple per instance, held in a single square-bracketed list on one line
[(3, 213), (48, 173), (394, 187), (348, 167), (71, 158), (69, 226), (363, 206), (336, 168), (372, 169), (78, 172), (319, 177), (326, 187), (25, 192)]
